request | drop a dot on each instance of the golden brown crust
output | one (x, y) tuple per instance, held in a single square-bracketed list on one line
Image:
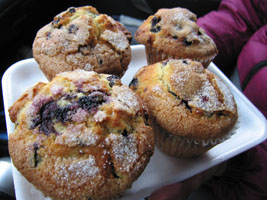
[(83, 135), (20, 103), (186, 100), (174, 32), (82, 38)]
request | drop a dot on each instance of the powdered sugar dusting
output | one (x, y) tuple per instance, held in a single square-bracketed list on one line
[(207, 98), (88, 67), (56, 89), (125, 99), (184, 85), (194, 85), (80, 115), (157, 89), (100, 116), (78, 75), (181, 16), (118, 40), (77, 135), (124, 150), (227, 95), (74, 58), (181, 77), (74, 172)]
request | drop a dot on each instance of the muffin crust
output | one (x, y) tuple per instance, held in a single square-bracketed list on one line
[(81, 136), (82, 38), (185, 99), (174, 33)]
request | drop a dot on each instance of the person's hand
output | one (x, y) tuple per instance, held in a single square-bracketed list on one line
[(176, 191), (181, 190)]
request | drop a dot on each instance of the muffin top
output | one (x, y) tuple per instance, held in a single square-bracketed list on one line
[(186, 99), (175, 32), (82, 38), (81, 136)]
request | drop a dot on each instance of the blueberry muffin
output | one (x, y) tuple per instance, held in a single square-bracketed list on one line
[(82, 136), (191, 108), (82, 38), (173, 33)]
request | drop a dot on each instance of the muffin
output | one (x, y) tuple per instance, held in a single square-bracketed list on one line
[(81, 136), (191, 108), (82, 38), (173, 33)]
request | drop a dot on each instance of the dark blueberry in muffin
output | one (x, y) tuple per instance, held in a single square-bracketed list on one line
[(205, 98), (134, 83), (221, 113), (112, 79), (35, 122), (185, 62), (186, 42), (100, 61), (55, 23), (175, 37), (64, 114), (48, 35), (47, 113), (155, 20), (93, 100), (72, 29), (47, 127), (155, 29), (125, 133), (72, 10)]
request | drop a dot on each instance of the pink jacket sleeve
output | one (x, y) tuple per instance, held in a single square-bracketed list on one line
[(232, 26), (239, 29)]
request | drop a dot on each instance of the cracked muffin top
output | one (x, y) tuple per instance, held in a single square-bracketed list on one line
[(82, 38), (185, 99), (175, 32), (83, 135)]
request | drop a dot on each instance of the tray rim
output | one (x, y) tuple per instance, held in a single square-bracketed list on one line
[(137, 49)]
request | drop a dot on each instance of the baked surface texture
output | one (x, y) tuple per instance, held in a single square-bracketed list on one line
[(187, 101), (82, 38), (81, 136), (174, 33)]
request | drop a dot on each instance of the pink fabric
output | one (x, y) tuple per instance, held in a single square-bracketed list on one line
[(258, 87), (245, 177), (252, 53), (240, 32), (239, 29), (232, 26)]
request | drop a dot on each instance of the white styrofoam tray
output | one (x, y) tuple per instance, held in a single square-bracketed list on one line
[(162, 169)]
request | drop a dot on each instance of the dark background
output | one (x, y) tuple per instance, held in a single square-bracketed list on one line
[(21, 19)]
